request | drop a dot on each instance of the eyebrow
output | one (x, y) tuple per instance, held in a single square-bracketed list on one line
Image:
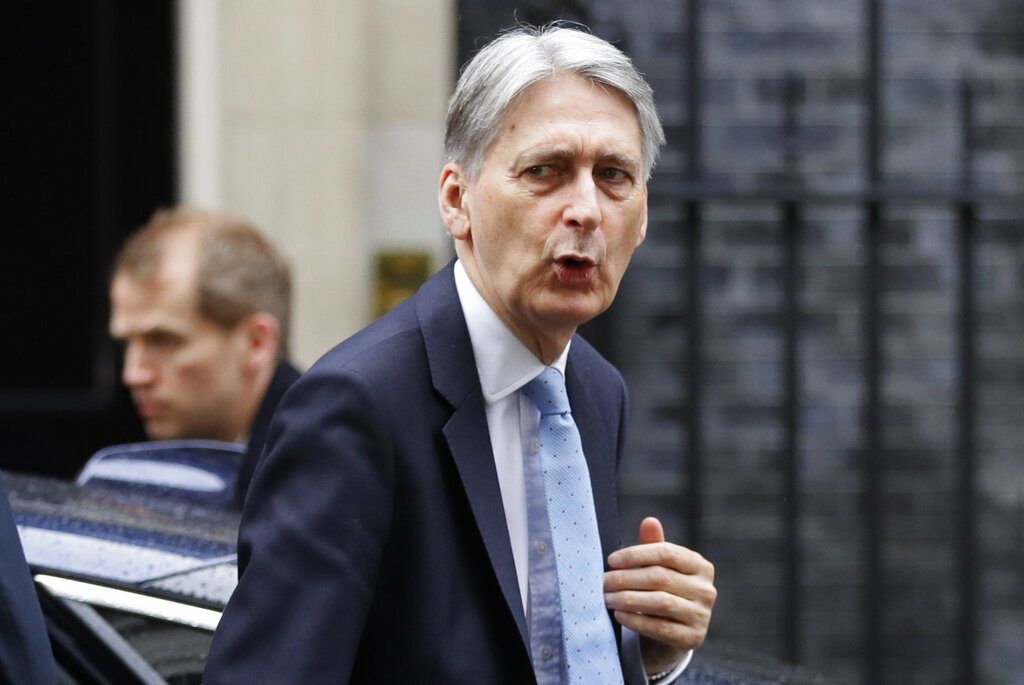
[(543, 154), (565, 152), (160, 328), (624, 161)]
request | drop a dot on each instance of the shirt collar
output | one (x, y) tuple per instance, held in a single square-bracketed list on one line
[(503, 363)]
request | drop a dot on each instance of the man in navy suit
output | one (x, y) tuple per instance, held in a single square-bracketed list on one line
[(388, 536)]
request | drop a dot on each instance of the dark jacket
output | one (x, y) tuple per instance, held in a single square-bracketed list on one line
[(284, 376), (25, 654), (373, 547)]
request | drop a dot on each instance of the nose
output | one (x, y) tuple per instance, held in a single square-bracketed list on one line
[(583, 209), (137, 372)]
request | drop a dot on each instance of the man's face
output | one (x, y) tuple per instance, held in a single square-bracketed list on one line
[(550, 224), (186, 374)]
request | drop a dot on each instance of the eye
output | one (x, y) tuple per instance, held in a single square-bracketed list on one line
[(165, 340), (539, 171), (613, 174)]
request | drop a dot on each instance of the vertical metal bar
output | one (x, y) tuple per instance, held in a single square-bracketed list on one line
[(791, 219), (874, 645), (693, 466), (874, 94), (874, 588), (694, 127), (967, 625), (692, 212), (791, 458)]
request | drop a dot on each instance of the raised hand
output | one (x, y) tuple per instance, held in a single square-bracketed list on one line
[(662, 591)]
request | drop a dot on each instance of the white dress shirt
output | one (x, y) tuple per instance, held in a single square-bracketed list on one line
[(505, 365)]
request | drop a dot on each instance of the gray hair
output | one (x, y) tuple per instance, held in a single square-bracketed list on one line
[(492, 81)]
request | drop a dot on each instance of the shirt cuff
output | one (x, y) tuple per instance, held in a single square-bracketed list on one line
[(631, 640), (674, 674)]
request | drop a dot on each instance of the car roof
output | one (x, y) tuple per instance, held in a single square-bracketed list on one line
[(123, 539)]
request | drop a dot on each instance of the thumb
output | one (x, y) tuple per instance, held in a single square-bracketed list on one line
[(651, 531)]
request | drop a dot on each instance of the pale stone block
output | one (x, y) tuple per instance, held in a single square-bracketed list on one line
[(327, 132), (406, 166), (414, 52), (297, 59), (297, 183), (199, 114)]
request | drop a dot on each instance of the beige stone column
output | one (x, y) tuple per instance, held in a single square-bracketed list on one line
[(407, 104), (321, 120)]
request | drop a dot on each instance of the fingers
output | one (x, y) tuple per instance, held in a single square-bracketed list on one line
[(662, 591), (660, 579), (664, 554), (678, 635), (653, 550), (667, 618), (663, 605)]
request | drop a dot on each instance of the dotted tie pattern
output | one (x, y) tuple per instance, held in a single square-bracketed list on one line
[(590, 654)]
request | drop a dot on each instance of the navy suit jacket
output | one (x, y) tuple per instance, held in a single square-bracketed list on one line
[(25, 655), (373, 545), (284, 376)]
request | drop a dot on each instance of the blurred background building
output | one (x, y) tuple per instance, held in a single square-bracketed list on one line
[(823, 335)]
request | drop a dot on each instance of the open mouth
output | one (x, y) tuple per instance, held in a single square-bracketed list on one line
[(574, 270)]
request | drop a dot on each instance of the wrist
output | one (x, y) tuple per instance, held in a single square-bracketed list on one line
[(659, 659), (654, 678)]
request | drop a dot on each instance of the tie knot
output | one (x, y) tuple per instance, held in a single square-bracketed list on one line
[(547, 392)]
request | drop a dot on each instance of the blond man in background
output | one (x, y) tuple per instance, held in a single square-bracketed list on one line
[(201, 303)]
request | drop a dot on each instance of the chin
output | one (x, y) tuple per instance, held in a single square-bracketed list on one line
[(162, 433), (574, 317), (585, 307)]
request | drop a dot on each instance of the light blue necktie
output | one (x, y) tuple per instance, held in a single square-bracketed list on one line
[(588, 641)]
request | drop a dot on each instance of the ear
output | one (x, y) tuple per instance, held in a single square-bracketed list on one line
[(261, 338), (452, 201), (643, 224)]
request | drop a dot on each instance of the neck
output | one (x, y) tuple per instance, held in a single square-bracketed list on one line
[(251, 404), (546, 350), (546, 345)]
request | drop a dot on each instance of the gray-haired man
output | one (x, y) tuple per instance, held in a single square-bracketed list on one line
[(437, 502)]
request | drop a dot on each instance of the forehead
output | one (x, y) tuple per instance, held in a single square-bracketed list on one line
[(571, 111), (164, 300)]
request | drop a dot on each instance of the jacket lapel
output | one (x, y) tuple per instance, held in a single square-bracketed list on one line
[(454, 376)]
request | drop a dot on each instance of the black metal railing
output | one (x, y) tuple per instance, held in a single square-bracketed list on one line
[(792, 200), (793, 204), (694, 194)]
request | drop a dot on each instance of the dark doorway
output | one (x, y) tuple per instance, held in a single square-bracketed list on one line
[(88, 154)]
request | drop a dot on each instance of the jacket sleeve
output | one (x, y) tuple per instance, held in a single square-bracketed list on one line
[(313, 532), (25, 654)]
